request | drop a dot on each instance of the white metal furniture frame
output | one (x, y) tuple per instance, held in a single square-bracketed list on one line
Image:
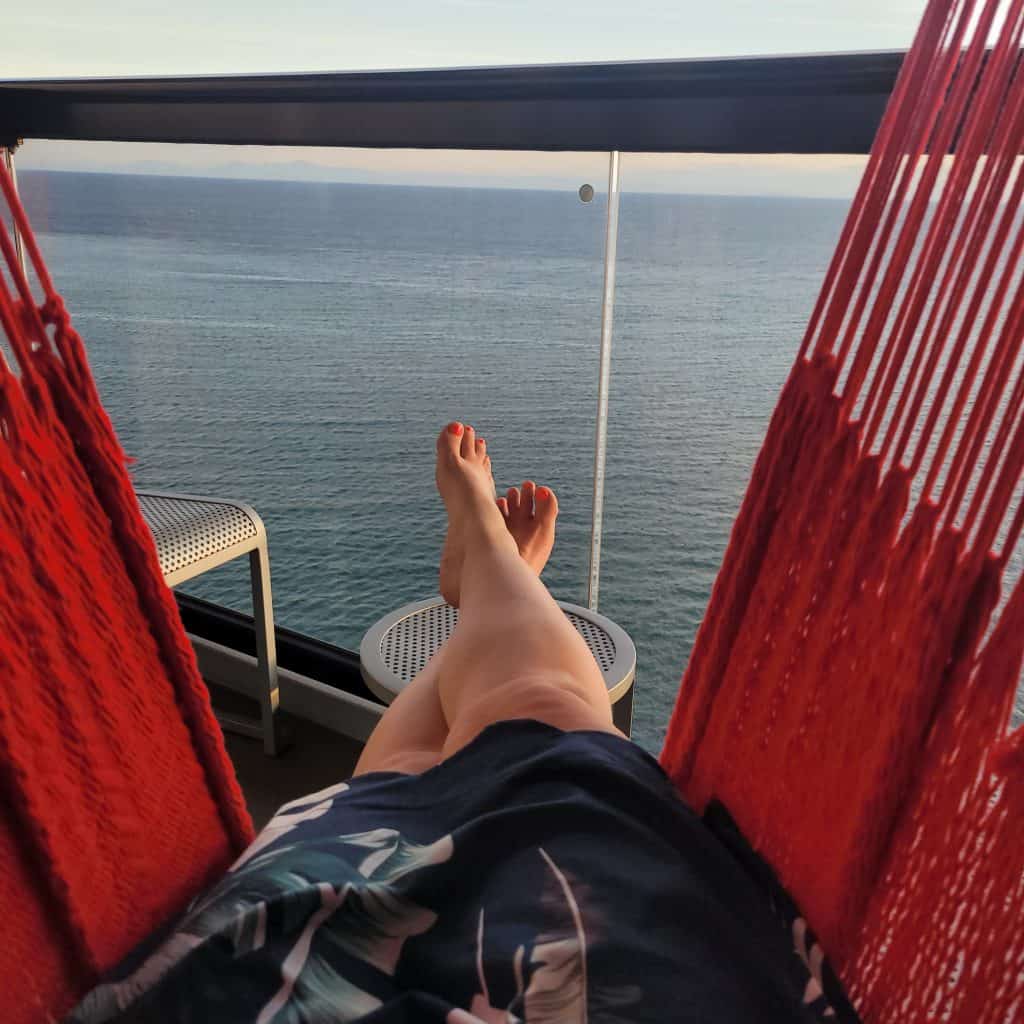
[(396, 648), (194, 534)]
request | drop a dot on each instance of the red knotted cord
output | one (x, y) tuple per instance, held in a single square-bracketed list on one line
[(850, 691), (119, 802)]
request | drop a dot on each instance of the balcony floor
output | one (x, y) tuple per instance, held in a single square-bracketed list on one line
[(316, 758)]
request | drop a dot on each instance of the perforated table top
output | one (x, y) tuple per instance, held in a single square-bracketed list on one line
[(399, 645), (190, 530)]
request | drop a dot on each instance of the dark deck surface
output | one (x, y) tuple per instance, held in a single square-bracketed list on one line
[(316, 758)]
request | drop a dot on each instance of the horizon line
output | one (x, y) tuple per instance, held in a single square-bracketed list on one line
[(360, 183)]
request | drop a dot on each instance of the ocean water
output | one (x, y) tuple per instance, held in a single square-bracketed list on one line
[(299, 345)]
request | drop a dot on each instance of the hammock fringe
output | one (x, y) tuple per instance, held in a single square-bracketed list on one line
[(851, 692), (119, 802)]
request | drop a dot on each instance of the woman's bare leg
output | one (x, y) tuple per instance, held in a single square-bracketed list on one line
[(413, 731), (513, 654)]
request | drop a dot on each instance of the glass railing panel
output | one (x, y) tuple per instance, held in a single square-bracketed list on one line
[(714, 291), (712, 298), (298, 344)]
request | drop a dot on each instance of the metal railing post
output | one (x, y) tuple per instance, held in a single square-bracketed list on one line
[(604, 376), (18, 245)]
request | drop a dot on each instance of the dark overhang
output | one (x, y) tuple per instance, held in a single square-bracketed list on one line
[(801, 104)]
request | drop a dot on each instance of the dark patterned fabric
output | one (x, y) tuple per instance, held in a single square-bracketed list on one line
[(535, 876)]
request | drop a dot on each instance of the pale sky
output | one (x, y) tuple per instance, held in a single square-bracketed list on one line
[(68, 38)]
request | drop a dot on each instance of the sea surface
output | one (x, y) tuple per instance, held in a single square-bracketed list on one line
[(299, 345)]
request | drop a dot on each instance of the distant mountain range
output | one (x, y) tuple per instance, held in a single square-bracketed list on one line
[(803, 177)]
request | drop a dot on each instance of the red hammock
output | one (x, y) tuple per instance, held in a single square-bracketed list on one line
[(846, 698), (118, 801)]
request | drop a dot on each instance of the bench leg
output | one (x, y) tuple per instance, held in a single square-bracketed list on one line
[(266, 647)]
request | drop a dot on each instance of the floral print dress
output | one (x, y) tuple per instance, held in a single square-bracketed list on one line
[(536, 876)]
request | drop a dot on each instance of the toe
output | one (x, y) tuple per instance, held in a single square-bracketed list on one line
[(481, 449), (503, 506), (468, 441), (450, 439), (529, 493), (547, 504), (513, 499)]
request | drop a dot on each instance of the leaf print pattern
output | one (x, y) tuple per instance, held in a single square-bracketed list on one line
[(557, 991), (558, 985), (814, 960), (289, 817), (363, 913), (480, 1009), (474, 910), (293, 963)]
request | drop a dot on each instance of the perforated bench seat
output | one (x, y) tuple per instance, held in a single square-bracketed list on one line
[(398, 646), (190, 532), (194, 534)]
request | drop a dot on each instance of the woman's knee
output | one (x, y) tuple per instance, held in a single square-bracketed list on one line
[(558, 701)]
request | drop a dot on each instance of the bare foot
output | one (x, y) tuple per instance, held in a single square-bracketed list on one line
[(467, 488), (530, 513)]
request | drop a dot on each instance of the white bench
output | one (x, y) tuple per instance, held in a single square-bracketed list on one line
[(194, 534)]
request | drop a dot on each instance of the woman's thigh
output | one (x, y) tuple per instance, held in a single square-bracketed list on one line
[(412, 731), (551, 698), (414, 734)]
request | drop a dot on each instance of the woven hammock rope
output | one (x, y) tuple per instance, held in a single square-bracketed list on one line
[(850, 693), (117, 800)]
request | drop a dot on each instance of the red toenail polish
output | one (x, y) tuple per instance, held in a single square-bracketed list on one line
[(455, 428), (543, 493)]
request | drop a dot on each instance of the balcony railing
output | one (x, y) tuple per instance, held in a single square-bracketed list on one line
[(817, 104), (803, 104)]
